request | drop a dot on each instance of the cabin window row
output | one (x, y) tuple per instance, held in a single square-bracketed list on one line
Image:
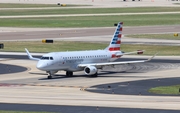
[(96, 56)]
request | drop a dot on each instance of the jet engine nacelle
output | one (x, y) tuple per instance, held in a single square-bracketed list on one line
[(90, 70)]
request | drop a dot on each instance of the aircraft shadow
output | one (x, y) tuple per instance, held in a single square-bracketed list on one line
[(37, 73), (109, 72), (104, 74), (61, 77)]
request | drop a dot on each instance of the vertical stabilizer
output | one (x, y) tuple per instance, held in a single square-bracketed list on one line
[(116, 39)]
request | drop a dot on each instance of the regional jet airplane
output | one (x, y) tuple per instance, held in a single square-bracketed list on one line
[(89, 61)]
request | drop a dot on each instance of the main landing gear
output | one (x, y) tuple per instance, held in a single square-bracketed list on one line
[(69, 73), (49, 77), (95, 75), (50, 74)]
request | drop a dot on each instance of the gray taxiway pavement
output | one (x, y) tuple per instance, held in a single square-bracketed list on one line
[(91, 34), (140, 87), (83, 32), (38, 85), (101, 3), (42, 88), (71, 99), (31, 88), (76, 15), (78, 109)]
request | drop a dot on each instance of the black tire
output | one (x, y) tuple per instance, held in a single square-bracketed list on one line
[(49, 77), (69, 73), (95, 75)]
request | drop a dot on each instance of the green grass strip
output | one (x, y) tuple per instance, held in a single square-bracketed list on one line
[(11, 5), (14, 5), (86, 10), (174, 90), (156, 36), (92, 21), (38, 46)]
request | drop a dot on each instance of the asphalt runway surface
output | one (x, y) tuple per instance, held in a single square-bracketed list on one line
[(140, 87), (6, 68), (78, 109)]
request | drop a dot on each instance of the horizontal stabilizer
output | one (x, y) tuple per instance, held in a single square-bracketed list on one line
[(138, 51)]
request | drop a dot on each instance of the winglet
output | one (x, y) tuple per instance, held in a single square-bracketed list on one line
[(152, 57), (30, 56)]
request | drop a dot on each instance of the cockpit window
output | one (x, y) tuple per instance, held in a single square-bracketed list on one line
[(46, 58), (51, 58)]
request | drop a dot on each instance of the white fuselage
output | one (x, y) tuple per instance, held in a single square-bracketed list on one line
[(68, 61)]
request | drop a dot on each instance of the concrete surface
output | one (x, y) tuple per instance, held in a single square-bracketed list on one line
[(71, 91), (99, 3), (90, 34)]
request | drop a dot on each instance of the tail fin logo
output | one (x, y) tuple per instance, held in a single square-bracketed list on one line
[(116, 39)]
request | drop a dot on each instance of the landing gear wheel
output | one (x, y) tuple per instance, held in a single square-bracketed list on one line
[(49, 77), (69, 73), (95, 75)]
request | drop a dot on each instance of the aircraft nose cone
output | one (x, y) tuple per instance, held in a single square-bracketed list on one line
[(40, 65)]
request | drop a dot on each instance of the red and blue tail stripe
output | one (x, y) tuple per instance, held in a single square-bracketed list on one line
[(116, 39)]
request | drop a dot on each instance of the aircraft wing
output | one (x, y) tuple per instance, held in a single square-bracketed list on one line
[(116, 63)]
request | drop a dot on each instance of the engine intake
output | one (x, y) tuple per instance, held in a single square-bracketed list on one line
[(90, 70)]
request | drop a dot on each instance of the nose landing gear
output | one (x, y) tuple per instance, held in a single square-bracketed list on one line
[(50, 74), (49, 77)]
